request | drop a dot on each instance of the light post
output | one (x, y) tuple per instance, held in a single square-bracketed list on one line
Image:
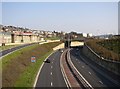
[(68, 40), (3, 40)]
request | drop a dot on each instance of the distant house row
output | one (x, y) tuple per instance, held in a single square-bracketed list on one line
[(11, 34), (9, 37)]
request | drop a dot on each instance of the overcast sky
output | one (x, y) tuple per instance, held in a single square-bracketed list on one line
[(87, 17)]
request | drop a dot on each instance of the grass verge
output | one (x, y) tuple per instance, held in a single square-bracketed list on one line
[(27, 78), (7, 47), (17, 67)]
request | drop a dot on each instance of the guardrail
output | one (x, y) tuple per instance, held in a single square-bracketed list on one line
[(82, 81), (73, 79), (63, 71), (112, 66)]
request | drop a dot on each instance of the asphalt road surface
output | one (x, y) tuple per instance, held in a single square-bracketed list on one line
[(4, 52), (96, 75), (51, 75)]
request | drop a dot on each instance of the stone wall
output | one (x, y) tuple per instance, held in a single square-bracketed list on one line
[(113, 66)]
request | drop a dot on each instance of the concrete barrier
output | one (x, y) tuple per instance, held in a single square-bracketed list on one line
[(112, 66)]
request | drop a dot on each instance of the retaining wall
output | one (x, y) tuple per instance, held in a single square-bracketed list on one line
[(113, 66)]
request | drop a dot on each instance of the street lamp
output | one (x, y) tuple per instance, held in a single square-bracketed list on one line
[(3, 40)]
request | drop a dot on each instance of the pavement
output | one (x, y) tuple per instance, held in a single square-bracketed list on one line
[(96, 75), (51, 75)]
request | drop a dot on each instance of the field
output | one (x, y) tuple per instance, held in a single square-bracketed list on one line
[(109, 48), (17, 68)]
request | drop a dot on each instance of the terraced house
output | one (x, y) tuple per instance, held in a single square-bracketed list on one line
[(15, 35)]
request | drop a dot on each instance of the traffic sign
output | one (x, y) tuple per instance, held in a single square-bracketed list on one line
[(33, 59)]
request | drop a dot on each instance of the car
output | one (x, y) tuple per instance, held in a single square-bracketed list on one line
[(61, 51), (47, 61)]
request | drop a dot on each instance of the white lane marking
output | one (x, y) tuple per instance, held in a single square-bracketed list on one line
[(53, 58), (36, 79), (101, 82), (51, 84), (86, 82), (79, 62), (51, 73), (82, 66), (51, 67), (90, 73), (52, 62), (76, 58), (63, 72)]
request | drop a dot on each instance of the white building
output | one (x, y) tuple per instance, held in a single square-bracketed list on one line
[(84, 34)]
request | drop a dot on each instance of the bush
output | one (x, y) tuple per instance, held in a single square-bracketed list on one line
[(109, 49)]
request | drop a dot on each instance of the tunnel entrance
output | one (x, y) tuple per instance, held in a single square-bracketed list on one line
[(67, 44)]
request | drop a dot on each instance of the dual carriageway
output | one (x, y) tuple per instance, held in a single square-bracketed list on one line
[(70, 68)]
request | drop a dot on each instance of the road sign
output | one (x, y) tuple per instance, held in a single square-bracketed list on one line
[(33, 59)]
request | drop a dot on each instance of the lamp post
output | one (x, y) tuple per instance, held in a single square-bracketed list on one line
[(3, 40)]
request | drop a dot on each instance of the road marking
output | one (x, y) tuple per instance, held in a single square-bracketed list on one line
[(52, 62), (36, 79), (90, 73), (84, 80), (63, 72), (51, 84), (51, 67), (101, 82), (53, 58), (82, 66), (79, 62), (76, 58), (51, 73)]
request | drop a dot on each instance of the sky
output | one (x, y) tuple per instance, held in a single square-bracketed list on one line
[(86, 17)]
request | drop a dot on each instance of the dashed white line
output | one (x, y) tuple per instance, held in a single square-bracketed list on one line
[(90, 73), (51, 73), (51, 84), (52, 62), (82, 66), (101, 82), (51, 67)]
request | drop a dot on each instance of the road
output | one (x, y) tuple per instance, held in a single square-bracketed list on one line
[(5, 52), (96, 75), (51, 75)]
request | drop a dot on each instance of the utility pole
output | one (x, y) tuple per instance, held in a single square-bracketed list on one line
[(68, 40)]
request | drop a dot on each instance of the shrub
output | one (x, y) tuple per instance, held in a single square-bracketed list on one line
[(108, 48)]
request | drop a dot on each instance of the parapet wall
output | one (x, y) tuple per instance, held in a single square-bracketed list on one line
[(113, 66)]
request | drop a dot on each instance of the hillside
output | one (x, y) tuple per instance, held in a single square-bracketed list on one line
[(107, 48)]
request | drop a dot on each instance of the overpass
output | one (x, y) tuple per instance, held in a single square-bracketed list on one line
[(68, 39)]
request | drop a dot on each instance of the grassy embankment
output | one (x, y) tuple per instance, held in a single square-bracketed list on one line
[(7, 47), (18, 71), (53, 38), (108, 48)]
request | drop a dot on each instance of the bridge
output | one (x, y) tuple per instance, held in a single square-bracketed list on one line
[(68, 38)]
